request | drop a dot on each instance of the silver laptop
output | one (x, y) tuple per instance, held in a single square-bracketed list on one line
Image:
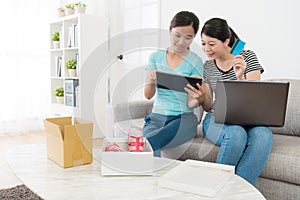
[(251, 102)]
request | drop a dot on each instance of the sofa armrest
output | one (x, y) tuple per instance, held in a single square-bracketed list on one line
[(131, 110)]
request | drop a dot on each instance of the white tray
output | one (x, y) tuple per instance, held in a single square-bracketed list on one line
[(126, 163), (202, 178)]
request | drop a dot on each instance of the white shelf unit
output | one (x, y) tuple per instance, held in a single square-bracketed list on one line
[(89, 35)]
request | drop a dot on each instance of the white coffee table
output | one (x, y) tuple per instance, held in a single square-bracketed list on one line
[(50, 181)]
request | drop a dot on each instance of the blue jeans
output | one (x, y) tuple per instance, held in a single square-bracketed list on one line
[(246, 147), (169, 131)]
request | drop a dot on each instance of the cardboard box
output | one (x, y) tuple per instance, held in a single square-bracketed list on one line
[(69, 145), (126, 163)]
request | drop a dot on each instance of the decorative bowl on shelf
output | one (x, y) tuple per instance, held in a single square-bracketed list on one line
[(70, 11), (80, 7), (70, 8), (56, 44), (72, 72), (60, 100), (61, 12), (80, 10)]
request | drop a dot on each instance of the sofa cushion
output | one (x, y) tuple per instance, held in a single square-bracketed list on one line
[(292, 119), (284, 161), (277, 190), (197, 149), (131, 110)]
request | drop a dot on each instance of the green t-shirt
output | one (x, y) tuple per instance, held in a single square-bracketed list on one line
[(170, 102)]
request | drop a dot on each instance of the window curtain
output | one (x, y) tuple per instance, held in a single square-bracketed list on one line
[(24, 64)]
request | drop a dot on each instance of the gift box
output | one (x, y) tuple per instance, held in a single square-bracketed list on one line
[(69, 144), (117, 159)]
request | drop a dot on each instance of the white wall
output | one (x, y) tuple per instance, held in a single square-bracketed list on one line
[(270, 27)]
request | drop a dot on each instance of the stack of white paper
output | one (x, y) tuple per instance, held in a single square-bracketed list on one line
[(202, 178)]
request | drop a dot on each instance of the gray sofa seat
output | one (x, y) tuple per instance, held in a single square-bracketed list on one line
[(281, 176), (283, 163)]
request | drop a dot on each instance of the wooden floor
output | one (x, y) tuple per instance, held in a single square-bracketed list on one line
[(8, 179)]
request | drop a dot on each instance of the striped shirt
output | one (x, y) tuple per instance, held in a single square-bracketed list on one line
[(212, 73)]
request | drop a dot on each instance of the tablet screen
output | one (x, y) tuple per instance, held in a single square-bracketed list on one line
[(175, 81)]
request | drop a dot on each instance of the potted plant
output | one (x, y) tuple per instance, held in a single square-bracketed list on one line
[(71, 66), (70, 8), (61, 12), (59, 94), (80, 7), (55, 40)]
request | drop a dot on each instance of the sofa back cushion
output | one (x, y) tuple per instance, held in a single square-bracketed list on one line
[(131, 110), (292, 118)]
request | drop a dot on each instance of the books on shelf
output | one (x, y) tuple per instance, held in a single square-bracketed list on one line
[(77, 63), (73, 35), (71, 92), (58, 66), (61, 39), (75, 27), (70, 37)]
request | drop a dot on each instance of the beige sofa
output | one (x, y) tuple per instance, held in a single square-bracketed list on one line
[(281, 176)]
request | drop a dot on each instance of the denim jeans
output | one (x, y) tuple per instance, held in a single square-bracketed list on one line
[(169, 131), (246, 147)]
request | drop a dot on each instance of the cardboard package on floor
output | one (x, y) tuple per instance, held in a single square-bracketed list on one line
[(69, 145)]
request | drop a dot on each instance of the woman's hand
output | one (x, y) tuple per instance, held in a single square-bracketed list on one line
[(239, 66), (194, 92), (195, 95), (199, 96), (151, 76), (149, 90)]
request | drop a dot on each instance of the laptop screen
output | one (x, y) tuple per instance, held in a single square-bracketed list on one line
[(251, 102)]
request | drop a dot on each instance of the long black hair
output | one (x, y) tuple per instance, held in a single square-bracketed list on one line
[(185, 18), (218, 28)]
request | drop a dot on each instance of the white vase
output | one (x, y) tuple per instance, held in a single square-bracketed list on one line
[(56, 45), (72, 72), (61, 14), (80, 9), (70, 11), (60, 100)]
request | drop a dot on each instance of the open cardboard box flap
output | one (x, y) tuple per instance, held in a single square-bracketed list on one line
[(69, 145)]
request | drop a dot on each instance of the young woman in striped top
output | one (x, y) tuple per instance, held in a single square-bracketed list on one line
[(245, 147)]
